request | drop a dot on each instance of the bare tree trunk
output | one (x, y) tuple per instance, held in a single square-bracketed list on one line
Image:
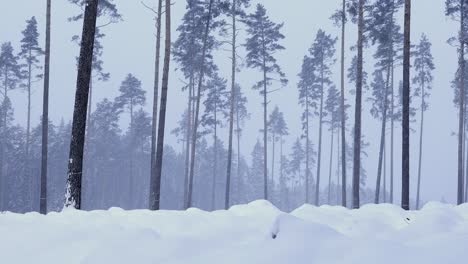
[(382, 139), (155, 184), (188, 140), (406, 110), (215, 159), (319, 155), (33, 181), (273, 163), (343, 114), (358, 113), (385, 172), (197, 107), (418, 192), (45, 116), (239, 191), (392, 114), (330, 166), (338, 147), (231, 112), (265, 134), (307, 150), (155, 94), (75, 164), (461, 103)]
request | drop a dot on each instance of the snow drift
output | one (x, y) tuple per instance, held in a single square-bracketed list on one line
[(254, 233)]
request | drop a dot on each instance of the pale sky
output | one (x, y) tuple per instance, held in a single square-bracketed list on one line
[(129, 48)]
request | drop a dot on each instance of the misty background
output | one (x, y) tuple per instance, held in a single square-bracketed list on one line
[(129, 48)]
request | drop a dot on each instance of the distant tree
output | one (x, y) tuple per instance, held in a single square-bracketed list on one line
[(240, 115), (332, 107), (131, 96), (277, 128), (75, 161), (30, 53), (297, 156), (423, 66), (262, 44), (215, 105), (256, 183), (322, 57), (235, 11)]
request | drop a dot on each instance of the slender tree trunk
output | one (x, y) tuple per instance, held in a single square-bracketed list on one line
[(3, 126), (307, 150), (319, 155), (188, 140), (273, 163), (238, 154), (406, 110), (75, 164), (45, 115), (461, 103), (155, 94), (338, 147), (215, 160), (33, 182), (392, 119), (330, 167), (418, 192), (382, 139), (343, 114), (358, 113), (197, 107), (265, 134), (155, 184), (231, 112), (385, 172)]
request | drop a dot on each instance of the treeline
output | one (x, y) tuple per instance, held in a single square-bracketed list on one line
[(109, 165)]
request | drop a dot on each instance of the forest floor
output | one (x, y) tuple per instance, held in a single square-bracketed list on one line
[(256, 233)]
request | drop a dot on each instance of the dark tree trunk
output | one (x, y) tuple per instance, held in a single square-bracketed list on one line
[(45, 116), (215, 158), (155, 93), (406, 110), (265, 133), (461, 103), (358, 109), (343, 114), (239, 187), (155, 184), (197, 107), (75, 163), (187, 140), (273, 163), (231, 112)]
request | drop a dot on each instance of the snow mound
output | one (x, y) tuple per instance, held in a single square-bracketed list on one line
[(253, 233)]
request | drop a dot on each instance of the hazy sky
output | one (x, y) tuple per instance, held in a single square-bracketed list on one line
[(129, 48)]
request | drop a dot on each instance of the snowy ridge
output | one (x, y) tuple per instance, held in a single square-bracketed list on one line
[(253, 233)]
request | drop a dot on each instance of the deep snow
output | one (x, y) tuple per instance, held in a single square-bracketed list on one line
[(244, 234)]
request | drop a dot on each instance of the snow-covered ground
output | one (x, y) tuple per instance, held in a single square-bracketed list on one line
[(244, 234)]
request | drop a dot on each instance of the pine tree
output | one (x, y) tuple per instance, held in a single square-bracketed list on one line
[(75, 161), (155, 184), (241, 114), (215, 105), (262, 43), (406, 112), (131, 96), (256, 183), (277, 128), (45, 115), (457, 10), (423, 66), (236, 10), (305, 85), (322, 55), (332, 107)]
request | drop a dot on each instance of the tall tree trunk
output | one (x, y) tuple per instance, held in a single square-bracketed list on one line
[(45, 115), (330, 167), (75, 164), (343, 114), (392, 114), (155, 94), (382, 139), (319, 155), (406, 110), (231, 111), (273, 163), (385, 172), (338, 147), (155, 184), (239, 187), (307, 152), (461, 103), (33, 182), (358, 109), (197, 107), (418, 192), (215, 159), (188, 139), (265, 134)]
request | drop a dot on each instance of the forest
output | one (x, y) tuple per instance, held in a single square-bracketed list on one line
[(114, 151)]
